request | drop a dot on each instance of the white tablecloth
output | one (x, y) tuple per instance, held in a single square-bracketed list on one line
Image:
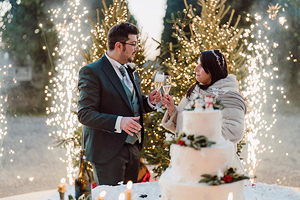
[(151, 191)]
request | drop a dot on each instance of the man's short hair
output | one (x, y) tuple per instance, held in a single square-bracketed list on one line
[(119, 33)]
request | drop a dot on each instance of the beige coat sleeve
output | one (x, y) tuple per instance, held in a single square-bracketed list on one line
[(233, 124), (168, 122), (174, 123)]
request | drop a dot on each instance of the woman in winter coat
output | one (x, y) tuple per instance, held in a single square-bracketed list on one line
[(212, 78)]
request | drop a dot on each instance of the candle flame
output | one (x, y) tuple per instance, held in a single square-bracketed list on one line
[(63, 180), (102, 194), (129, 185), (122, 196), (230, 196)]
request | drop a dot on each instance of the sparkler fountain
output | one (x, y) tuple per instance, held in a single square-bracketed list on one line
[(62, 91)]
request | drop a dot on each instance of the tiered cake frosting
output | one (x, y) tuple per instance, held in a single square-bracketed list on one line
[(206, 123), (181, 179)]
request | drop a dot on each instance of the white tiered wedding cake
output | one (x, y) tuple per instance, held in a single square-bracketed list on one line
[(202, 150)]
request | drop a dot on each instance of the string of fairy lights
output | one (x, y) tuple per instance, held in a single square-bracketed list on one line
[(62, 90)]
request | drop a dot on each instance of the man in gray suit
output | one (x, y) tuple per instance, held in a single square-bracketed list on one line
[(111, 107)]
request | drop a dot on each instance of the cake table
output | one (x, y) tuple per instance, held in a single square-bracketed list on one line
[(151, 191)]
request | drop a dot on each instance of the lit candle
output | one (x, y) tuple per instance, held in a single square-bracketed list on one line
[(230, 196), (128, 191), (102, 195), (61, 188), (122, 196), (251, 180)]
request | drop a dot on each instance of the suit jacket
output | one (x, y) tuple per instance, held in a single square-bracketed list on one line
[(102, 99)]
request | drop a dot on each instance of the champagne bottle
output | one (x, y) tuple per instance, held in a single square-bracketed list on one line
[(82, 181)]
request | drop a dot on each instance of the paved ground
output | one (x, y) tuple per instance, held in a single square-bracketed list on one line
[(282, 166), (31, 157)]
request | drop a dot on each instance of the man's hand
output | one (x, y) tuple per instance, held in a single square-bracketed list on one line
[(155, 97), (129, 125)]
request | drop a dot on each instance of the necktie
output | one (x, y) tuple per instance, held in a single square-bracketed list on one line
[(126, 79)]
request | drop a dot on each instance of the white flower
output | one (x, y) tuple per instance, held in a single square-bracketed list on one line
[(132, 66), (169, 136), (186, 141), (220, 174), (188, 106)]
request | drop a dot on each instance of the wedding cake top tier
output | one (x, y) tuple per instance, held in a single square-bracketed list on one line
[(206, 123)]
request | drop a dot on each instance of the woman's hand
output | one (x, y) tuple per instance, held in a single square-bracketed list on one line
[(168, 102)]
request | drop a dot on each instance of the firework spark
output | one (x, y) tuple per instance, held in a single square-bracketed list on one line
[(273, 10)]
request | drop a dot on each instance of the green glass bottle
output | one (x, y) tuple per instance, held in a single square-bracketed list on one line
[(82, 181)]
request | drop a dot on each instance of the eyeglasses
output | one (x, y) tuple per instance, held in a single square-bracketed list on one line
[(135, 45)]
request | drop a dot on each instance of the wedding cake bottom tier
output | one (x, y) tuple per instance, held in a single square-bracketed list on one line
[(173, 190)]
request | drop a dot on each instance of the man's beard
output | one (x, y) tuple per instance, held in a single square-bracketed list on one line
[(130, 59)]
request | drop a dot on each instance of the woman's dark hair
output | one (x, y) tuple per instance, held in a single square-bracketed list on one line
[(213, 63), (119, 33)]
